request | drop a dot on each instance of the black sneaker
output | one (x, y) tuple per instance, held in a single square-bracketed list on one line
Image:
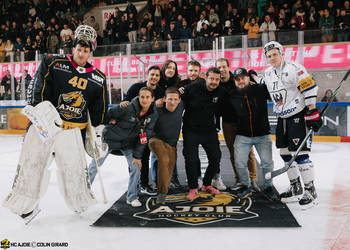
[(270, 194), (31, 215), (309, 198), (161, 198), (294, 192), (175, 183), (245, 192), (237, 187), (147, 190)]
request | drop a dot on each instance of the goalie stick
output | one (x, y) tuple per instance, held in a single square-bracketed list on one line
[(280, 171), (93, 140)]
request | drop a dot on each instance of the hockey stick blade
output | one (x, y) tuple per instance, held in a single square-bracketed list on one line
[(280, 171)]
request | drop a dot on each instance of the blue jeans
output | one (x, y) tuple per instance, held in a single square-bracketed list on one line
[(263, 146), (134, 173), (154, 164)]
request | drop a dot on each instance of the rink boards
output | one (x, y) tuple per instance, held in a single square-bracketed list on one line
[(336, 122)]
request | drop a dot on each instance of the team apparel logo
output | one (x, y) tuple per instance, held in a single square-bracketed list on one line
[(278, 99), (205, 209), (296, 141), (71, 105)]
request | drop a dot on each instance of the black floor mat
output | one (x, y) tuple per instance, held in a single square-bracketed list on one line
[(223, 210)]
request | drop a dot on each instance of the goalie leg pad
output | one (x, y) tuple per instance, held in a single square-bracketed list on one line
[(72, 170), (32, 178), (306, 168)]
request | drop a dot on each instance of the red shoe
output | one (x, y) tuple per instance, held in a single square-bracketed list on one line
[(192, 194), (210, 189)]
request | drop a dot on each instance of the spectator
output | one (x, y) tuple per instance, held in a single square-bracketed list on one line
[(133, 26), (200, 22), (8, 49), (67, 44), (215, 30), (268, 27), (2, 50), (130, 8), (172, 32), (228, 28), (332, 10), (253, 32), (157, 13), (327, 96), (29, 49), (123, 29), (235, 19), (52, 41), (213, 17), (145, 21), (343, 26), (185, 33), (346, 7), (204, 37), (27, 78), (18, 48), (163, 31), (39, 46), (156, 45), (65, 32), (301, 18), (6, 82), (326, 25), (110, 32), (312, 18), (143, 37)]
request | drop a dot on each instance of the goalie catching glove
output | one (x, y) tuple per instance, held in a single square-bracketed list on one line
[(313, 119), (44, 118)]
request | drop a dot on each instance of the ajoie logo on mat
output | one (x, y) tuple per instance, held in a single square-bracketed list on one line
[(207, 208)]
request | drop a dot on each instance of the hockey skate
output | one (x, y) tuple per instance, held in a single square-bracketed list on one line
[(294, 192), (31, 215), (309, 198)]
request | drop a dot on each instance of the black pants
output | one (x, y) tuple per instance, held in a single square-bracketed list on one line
[(145, 167), (210, 143)]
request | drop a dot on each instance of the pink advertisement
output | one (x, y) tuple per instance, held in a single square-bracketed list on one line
[(315, 57)]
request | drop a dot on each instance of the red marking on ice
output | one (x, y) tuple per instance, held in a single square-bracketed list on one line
[(338, 235)]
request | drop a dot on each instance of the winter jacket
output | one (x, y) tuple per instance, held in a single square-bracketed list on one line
[(251, 109), (125, 133)]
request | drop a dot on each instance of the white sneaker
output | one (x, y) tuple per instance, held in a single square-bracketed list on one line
[(218, 184), (134, 203), (200, 182)]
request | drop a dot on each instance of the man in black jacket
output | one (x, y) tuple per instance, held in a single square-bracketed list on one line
[(229, 128), (253, 129), (202, 101)]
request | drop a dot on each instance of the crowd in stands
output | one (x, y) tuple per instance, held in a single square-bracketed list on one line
[(43, 26), (47, 26), (205, 20)]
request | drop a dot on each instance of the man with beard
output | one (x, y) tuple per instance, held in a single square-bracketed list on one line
[(229, 128), (250, 105)]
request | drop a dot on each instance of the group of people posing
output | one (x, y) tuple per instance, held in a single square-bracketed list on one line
[(68, 94), (152, 114)]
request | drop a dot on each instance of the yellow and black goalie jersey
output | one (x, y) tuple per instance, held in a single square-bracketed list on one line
[(72, 89)]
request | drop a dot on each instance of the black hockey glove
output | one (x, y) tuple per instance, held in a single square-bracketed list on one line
[(313, 119), (251, 73)]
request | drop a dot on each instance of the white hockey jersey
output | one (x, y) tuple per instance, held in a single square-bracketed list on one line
[(291, 88)]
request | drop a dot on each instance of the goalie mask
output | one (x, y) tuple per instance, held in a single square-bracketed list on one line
[(85, 34)]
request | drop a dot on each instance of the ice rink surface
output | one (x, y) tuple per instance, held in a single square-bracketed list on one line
[(326, 226)]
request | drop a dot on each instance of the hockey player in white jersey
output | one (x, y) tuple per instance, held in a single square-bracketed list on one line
[(62, 93), (293, 92)]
